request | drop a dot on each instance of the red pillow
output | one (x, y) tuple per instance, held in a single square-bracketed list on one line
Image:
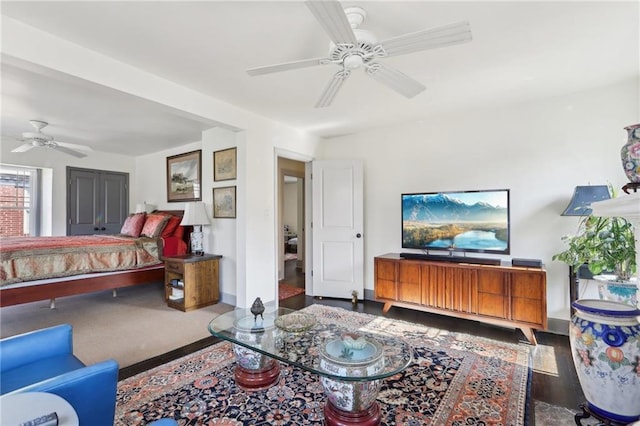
[(171, 226), (133, 224), (179, 232), (153, 225)]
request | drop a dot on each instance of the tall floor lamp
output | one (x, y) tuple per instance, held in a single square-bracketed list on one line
[(195, 215)]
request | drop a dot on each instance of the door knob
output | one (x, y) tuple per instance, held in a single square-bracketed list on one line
[(103, 228), (96, 229), (358, 235)]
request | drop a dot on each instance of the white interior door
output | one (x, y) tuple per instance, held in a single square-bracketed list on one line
[(338, 243)]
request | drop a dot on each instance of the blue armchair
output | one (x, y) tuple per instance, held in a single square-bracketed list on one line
[(43, 361)]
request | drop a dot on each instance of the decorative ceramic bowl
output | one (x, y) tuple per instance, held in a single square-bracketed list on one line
[(354, 341), (295, 322), (617, 291)]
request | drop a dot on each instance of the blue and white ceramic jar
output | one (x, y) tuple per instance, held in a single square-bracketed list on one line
[(605, 344), (349, 358), (630, 153), (255, 333)]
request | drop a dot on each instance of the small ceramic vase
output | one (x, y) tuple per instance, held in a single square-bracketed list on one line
[(605, 344), (630, 153)]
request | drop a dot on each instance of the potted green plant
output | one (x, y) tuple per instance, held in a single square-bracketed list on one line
[(607, 246)]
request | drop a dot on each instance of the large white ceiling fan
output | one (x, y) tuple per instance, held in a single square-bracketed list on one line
[(38, 139), (352, 48)]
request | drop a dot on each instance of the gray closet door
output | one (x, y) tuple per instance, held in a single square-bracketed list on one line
[(97, 201)]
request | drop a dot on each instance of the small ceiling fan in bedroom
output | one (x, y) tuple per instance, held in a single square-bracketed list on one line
[(352, 48), (38, 139)]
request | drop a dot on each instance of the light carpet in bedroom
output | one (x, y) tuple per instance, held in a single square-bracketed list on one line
[(132, 327)]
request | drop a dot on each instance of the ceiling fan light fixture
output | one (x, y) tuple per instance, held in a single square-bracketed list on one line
[(39, 140), (353, 62), (351, 48)]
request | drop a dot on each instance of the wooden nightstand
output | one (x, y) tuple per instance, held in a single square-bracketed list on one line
[(191, 282)]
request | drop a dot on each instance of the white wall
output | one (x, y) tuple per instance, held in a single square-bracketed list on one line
[(539, 150)]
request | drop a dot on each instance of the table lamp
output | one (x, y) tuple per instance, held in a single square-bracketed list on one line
[(583, 196), (195, 215)]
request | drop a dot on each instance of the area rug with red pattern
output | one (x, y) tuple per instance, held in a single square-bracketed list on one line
[(455, 379), (286, 291)]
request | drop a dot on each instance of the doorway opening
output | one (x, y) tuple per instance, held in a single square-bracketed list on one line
[(291, 225)]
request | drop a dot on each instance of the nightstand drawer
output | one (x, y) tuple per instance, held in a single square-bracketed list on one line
[(177, 267)]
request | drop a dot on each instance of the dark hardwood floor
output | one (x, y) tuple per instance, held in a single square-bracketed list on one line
[(554, 378)]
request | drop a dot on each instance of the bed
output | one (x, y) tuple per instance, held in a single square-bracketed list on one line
[(45, 268), (291, 245)]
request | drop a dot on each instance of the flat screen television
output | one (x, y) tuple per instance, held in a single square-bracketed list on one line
[(463, 221)]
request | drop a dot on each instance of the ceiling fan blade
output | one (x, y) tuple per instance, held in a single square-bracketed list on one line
[(332, 88), (24, 148), (331, 16), (431, 38), (396, 80), (69, 151), (287, 66), (73, 146)]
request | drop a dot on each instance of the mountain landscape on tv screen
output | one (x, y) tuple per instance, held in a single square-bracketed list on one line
[(447, 209), (443, 221)]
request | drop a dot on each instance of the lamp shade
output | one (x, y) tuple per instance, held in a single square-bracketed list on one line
[(583, 196), (195, 214)]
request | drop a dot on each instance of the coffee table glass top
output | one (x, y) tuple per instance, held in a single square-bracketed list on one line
[(297, 338)]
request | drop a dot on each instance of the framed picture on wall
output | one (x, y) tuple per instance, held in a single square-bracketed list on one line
[(224, 202), (184, 179), (224, 164)]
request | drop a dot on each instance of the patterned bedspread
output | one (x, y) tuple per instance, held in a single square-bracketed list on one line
[(34, 258)]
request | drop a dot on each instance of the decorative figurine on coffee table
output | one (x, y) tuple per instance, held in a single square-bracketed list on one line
[(257, 309)]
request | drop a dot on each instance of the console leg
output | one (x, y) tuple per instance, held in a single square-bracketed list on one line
[(529, 334), (386, 307)]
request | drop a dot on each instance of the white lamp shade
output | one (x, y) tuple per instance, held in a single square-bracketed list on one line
[(195, 214)]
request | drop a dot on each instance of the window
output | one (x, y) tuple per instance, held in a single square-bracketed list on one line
[(19, 201)]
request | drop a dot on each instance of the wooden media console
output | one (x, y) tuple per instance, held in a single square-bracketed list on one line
[(501, 295)]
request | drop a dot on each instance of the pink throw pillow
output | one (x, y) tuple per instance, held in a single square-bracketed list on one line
[(153, 225), (133, 225)]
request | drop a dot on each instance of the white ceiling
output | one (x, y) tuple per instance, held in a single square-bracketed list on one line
[(520, 51)]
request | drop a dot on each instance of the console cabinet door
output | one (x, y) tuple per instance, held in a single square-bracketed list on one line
[(528, 294), (449, 287), (492, 295), (409, 282), (386, 278), (462, 290)]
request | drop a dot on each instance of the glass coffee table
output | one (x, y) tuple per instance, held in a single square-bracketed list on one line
[(351, 364)]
